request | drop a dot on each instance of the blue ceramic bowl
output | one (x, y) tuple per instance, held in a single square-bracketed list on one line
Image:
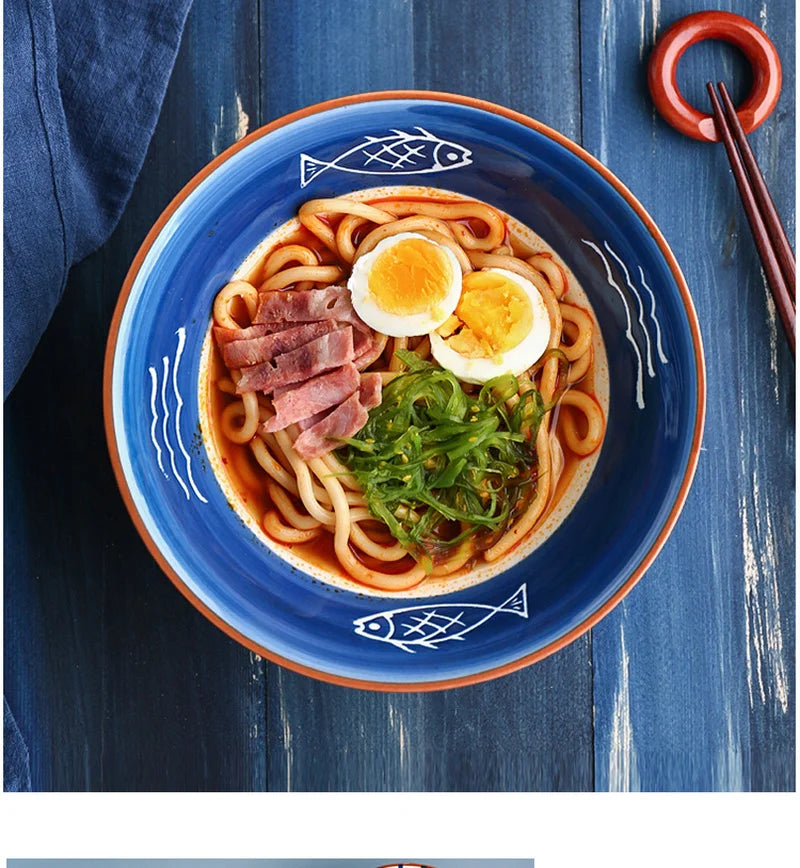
[(656, 377)]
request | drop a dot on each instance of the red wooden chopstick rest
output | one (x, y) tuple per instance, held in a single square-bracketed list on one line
[(754, 44)]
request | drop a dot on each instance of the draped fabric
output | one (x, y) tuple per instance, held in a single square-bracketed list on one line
[(83, 86)]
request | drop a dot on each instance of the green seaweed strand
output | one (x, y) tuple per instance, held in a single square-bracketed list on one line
[(439, 466)]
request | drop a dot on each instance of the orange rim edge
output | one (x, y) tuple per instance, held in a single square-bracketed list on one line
[(648, 559)]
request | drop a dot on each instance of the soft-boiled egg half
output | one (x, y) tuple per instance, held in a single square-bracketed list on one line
[(500, 326), (408, 285)]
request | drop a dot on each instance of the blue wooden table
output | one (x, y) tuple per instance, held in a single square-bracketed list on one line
[(117, 683)]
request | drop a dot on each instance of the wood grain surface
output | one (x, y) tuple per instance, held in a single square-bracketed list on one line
[(117, 683)]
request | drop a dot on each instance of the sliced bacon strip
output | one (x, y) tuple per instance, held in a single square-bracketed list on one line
[(370, 390), (227, 336), (347, 419), (242, 354), (314, 396), (369, 396), (303, 424), (311, 305), (329, 351), (362, 341), (366, 350)]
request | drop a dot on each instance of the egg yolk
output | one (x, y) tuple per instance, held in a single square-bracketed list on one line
[(493, 315), (412, 276)]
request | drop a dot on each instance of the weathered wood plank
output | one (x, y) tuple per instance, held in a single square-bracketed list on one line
[(528, 731), (525, 57), (532, 730), (694, 673), (313, 51), (116, 681)]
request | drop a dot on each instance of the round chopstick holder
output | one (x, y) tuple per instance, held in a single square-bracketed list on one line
[(754, 44)]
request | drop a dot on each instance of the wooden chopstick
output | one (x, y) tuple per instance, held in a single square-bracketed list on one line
[(783, 249), (762, 236)]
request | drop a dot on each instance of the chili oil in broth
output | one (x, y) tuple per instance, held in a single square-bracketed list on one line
[(243, 480)]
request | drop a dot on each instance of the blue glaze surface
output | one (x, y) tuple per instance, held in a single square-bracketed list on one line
[(629, 497)]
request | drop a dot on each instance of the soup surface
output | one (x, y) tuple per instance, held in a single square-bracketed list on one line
[(496, 323)]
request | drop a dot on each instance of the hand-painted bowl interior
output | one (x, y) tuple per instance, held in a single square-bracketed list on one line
[(654, 419), (327, 569)]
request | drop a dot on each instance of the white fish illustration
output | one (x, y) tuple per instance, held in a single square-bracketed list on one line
[(428, 626), (400, 153)]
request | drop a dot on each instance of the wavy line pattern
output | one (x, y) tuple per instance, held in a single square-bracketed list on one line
[(640, 305), (628, 330), (175, 429), (659, 348), (643, 330), (153, 393), (181, 343)]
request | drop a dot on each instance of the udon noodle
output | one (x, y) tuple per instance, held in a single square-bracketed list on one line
[(305, 502)]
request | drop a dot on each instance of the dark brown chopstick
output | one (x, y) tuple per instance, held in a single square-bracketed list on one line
[(783, 250), (766, 246)]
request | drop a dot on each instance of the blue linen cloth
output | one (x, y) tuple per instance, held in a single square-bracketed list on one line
[(83, 86)]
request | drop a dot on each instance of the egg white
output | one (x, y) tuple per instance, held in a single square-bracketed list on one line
[(401, 325), (514, 361)]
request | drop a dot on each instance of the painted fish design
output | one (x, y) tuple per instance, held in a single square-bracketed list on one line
[(428, 626), (400, 153)]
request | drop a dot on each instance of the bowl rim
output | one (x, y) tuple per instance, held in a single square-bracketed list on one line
[(697, 435)]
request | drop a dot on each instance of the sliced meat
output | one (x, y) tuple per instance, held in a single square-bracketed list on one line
[(345, 421), (282, 390), (322, 354), (369, 396), (367, 350), (226, 336), (303, 424), (313, 396), (370, 389), (242, 354), (311, 305), (362, 342)]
